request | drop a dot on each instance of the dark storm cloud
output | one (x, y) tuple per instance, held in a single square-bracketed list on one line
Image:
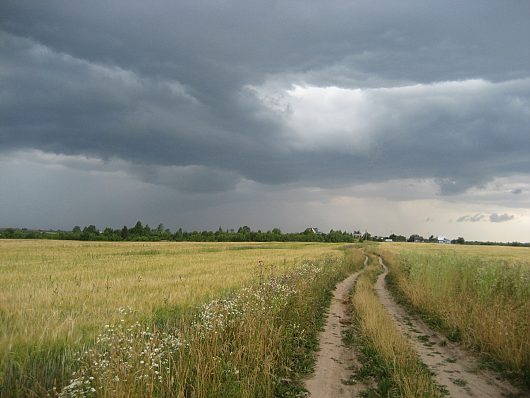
[(191, 179), (61, 104), (196, 95), (243, 40)]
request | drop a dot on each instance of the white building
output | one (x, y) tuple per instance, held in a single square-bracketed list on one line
[(444, 240)]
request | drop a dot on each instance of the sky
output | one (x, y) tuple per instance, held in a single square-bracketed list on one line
[(392, 117)]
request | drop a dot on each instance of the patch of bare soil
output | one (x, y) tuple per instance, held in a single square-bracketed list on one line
[(335, 361), (454, 368)]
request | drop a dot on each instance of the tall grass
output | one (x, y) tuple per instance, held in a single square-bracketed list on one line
[(483, 301), (249, 343), (385, 348), (62, 290)]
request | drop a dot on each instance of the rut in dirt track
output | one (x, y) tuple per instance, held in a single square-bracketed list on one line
[(335, 361), (454, 368)]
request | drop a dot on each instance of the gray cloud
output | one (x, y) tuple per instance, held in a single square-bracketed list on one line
[(494, 217), (446, 130), (204, 97), (471, 218), (191, 179)]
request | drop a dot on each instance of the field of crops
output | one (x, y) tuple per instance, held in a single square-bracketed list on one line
[(57, 297), (478, 296), (80, 319), (61, 289)]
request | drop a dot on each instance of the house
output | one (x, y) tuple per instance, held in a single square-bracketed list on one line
[(444, 240), (388, 240)]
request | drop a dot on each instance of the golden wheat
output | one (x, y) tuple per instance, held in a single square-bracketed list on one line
[(64, 290)]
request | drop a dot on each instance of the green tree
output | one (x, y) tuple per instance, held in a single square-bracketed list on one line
[(138, 229), (124, 233), (244, 230), (415, 238)]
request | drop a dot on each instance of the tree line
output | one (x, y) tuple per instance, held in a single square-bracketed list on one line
[(141, 232)]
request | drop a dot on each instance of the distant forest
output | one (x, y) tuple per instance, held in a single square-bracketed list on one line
[(144, 233)]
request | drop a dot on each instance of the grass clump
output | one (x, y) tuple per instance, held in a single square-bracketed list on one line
[(387, 356)]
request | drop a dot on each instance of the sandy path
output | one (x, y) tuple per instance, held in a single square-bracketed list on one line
[(335, 361), (454, 368)]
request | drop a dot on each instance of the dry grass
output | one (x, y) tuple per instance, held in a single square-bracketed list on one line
[(236, 347), (57, 297), (481, 295), (391, 348), (59, 289)]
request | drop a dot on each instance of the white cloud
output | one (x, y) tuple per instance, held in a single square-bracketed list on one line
[(349, 120)]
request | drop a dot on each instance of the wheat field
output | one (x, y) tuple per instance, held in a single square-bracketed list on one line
[(62, 289), (64, 303)]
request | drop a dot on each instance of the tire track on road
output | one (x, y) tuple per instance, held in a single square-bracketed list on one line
[(454, 368), (335, 361)]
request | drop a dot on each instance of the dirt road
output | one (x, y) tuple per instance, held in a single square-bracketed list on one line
[(334, 360), (454, 368)]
